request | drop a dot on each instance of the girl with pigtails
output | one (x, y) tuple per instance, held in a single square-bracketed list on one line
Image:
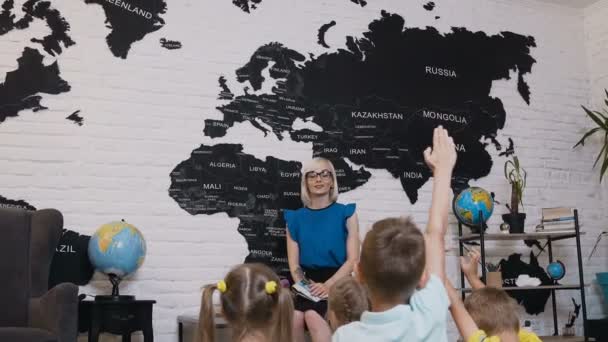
[(253, 303)]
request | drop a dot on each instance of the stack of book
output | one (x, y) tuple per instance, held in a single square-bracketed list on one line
[(560, 219)]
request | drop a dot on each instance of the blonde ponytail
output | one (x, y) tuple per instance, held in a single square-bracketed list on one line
[(283, 329), (206, 330)]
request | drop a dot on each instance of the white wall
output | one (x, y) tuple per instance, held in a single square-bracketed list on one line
[(596, 41), (145, 114)]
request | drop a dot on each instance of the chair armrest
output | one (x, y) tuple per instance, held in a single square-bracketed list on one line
[(57, 311)]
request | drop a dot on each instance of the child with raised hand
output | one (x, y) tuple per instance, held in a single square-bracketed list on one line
[(253, 303), (396, 259), (347, 301), (489, 314)]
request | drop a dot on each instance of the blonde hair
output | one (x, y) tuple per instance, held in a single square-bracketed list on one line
[(311, 166), (493, 310), (392, 258), (247, 306), (347, 300)]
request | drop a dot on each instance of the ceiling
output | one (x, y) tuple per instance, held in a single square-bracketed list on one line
[(572, 3)]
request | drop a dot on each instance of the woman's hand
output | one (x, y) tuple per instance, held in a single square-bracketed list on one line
[(319, 289)]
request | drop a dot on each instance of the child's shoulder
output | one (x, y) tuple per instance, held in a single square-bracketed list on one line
[(347, 332), (527, 336)]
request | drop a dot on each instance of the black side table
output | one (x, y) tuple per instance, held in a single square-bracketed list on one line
[(116, 317)]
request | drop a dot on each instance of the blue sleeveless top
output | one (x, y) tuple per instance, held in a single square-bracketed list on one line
[(320, 233)]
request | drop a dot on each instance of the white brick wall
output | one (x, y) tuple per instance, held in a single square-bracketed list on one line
[(596, 41), (145, 114)]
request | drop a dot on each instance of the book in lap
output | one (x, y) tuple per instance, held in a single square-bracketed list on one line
[(302, 289)]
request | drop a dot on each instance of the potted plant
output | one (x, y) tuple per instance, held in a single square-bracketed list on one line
[(601, 119), (516, 175)]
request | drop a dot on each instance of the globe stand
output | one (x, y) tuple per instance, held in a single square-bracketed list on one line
[(115, 297)]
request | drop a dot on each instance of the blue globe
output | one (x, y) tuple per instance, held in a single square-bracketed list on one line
[(117, 248), (470, 202), (556, 270)]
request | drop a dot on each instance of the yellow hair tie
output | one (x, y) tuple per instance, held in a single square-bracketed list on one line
[(271, 287), (221, 285)]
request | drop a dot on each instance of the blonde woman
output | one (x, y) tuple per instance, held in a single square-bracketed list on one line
[(322, 245)]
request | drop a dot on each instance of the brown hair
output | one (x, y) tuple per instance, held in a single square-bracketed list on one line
[(392, 258), (347, 300), (247, 306), (493, 310)]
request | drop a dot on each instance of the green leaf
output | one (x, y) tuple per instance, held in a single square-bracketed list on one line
[(506, 167), (599, 155), (589, 133), (595, 118), (520, 195), (604, 167)]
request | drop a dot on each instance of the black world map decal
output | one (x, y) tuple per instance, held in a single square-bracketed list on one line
[(22, 87), (130, 21), (376, 103), (248, 5), (322, 31)]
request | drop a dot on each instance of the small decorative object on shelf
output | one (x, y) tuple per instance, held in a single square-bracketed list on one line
[(473, 207), (493, 267), (516, 175), (494, 277), (117, 249), (504, 228), (560, 219), (556, 270)]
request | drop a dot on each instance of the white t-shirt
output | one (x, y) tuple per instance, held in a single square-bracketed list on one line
[(424, 319)]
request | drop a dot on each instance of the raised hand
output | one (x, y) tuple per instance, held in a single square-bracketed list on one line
[(469, 264), (442, 156)]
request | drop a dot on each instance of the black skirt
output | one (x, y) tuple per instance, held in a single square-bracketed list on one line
[(318, 275)]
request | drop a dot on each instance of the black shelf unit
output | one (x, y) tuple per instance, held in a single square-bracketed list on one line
[(482, 237)]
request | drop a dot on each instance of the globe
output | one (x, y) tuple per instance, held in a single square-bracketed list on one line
[(117, 248), (470, 202), (556, 270)]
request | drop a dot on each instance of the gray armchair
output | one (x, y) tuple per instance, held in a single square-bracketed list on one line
[(29, 312)]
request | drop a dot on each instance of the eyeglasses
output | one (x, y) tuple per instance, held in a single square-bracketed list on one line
[(325, 174)]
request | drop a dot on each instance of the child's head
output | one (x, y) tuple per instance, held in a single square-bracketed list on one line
[(318, 178), (493, 310), (252, 301), (392, 259), (347, 301)]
